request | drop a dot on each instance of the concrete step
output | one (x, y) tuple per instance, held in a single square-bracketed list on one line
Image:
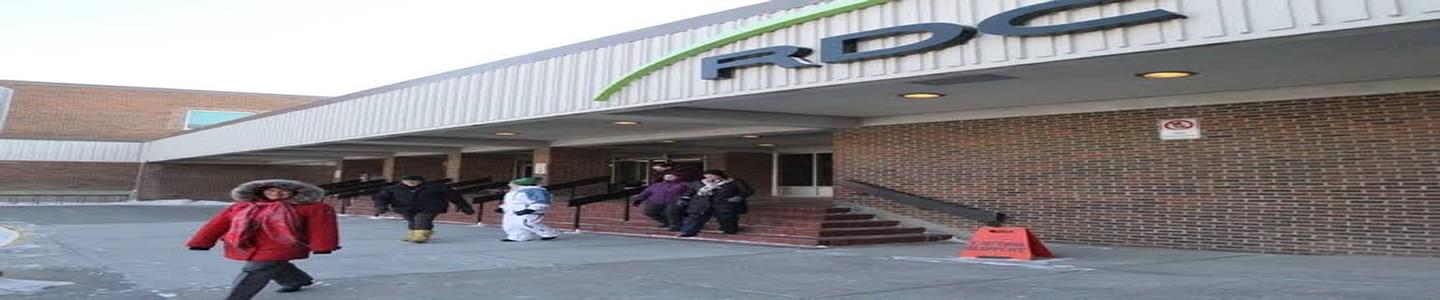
[(884, 239), (743, 237), (868, 231), (749, 237), (858, 223), (809, 232)]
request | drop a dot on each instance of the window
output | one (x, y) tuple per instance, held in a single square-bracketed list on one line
[(201, 118), (4, 105)]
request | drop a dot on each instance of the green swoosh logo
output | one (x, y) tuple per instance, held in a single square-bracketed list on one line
[(822, 11)]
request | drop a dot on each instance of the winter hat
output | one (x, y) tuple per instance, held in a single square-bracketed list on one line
[(413, 177), (251, 191), (526, 181), (716, 172)]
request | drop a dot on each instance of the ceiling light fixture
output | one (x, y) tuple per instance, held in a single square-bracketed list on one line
[(1166, 74), (505, 133), (626, 123), (750, 136), (667, 142), (922, 96), (764, 145)]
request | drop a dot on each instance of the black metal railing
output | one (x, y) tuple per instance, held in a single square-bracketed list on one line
[(338, 184), (470, 182), (987, 217), (480, 187), (579, 203), (368, 188), (572, 186), (372, 184)]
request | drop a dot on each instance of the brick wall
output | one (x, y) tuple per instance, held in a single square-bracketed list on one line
[(754, 168), (497, 167), (88, 112), (1350, 175), (570, 164), (353, 168), (431, 167), (214, 182), (67, 176)]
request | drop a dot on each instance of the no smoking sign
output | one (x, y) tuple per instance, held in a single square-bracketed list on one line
[(1180, 129)]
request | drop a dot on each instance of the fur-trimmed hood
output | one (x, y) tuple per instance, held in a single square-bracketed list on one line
[(304, 192)]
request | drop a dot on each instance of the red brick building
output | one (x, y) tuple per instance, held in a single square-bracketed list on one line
[(1304, 127), (82, 142)]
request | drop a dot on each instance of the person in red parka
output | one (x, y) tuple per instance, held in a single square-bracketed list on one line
[(271, 223)]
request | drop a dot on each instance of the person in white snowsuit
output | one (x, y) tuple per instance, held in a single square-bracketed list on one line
[(524, 208)]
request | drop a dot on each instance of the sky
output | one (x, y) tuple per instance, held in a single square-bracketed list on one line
[(303, 47)]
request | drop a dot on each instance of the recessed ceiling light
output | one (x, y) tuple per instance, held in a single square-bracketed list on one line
[(626, 123), (764, 145), (505, 133), (667, 141), (750, 136), (922, 96), (1166, 74)]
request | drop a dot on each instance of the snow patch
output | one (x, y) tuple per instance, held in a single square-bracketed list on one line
[(167, 295), (27, 287), (1036, 264), (8, 236), (170, 202)]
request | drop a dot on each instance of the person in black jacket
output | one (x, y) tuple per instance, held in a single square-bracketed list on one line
[(419, 203), (719, 196)]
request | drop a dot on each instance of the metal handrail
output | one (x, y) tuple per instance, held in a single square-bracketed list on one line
[(572, 186), (358, 187), (988, 217), (338, 184), (471, 182), (582, 201)]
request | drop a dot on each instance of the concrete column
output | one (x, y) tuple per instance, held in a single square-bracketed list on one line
[(389, 168), (453, 161), (339, 171)]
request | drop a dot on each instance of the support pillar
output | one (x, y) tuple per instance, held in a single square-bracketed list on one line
[(453, 161), (389, 168), (339, 171)]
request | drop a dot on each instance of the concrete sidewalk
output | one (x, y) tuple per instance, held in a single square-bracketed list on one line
[(138, 253)]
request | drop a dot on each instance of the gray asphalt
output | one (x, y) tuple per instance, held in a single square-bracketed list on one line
[(137, 253)]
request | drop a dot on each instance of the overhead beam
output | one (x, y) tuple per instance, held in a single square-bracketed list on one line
[(731, 117), (252, 159), (684, 149), (453, 142), (324, 153), (292, 154), (678, 135), (347, 146)]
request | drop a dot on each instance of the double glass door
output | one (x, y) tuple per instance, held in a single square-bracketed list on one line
[(805, 174)]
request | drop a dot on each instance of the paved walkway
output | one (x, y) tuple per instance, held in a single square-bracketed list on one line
[(137, 253)]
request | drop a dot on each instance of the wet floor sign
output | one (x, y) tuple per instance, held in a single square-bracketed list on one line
[(1005, 242)]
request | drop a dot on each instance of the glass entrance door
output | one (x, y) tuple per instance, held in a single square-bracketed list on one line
[(804, 174)]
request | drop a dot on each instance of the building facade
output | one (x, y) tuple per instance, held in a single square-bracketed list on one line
[(1267, 126), (74, 142)]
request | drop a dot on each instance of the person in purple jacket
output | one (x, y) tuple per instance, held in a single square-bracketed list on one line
[(661, 200), (686, 174)]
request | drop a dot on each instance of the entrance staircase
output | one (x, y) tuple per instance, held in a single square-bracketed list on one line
[(789, 222), (807, 223)]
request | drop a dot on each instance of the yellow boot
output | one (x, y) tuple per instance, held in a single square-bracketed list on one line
[(422, 235), (412, 235)]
